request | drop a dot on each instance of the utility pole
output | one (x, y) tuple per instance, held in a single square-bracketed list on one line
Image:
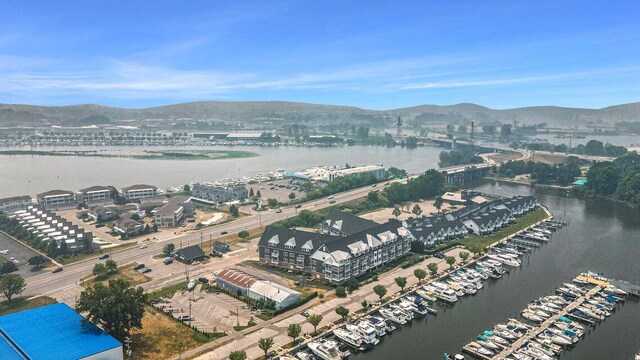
[(200, 239)]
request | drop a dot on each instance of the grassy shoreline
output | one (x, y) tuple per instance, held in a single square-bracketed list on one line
[(144, 155)]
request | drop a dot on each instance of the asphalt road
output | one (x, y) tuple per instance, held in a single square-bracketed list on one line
[(48, 282)]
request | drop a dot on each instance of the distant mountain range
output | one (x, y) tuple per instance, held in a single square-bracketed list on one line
[(242, 111)]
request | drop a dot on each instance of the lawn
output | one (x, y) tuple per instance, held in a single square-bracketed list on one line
[(527, 220), (2, 260), (162, 337), (481, 242), (18, 304), (167, 291), (126, 272)]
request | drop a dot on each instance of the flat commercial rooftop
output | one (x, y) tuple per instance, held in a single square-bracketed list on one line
[(51, 332)]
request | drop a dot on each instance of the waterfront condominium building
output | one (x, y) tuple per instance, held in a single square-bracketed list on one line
[(172, 211), (139, 191), (95, 194), (336, 258), (218, 194), (8, 205), (57, 199)]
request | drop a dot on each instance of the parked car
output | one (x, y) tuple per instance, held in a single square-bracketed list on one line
[(100, 225), (298, 206), (305, 313), (184, 318), (439, 255), (216, 254), (167, 260), (278, 211), (224, 233), (143, 246), (105, 256), (203, 280), (191, 285), (58, 269), (137, 265), (145, 270)]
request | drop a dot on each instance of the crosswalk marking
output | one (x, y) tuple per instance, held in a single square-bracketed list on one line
[(60, 289)]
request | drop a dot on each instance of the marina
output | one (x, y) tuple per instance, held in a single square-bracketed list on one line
[(554, 316), (573, 249), (364, 332)]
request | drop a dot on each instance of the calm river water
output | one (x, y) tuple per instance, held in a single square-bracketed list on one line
[(602, 237), (29, 175)]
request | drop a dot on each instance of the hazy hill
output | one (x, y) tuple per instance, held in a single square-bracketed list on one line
[(31, 115)]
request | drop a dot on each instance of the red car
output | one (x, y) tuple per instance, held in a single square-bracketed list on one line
[(58, 269)]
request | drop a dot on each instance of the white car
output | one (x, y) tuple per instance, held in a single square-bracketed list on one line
[(143, 246), (191, 285)]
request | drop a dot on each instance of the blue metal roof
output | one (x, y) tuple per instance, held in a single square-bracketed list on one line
[(51, 332)]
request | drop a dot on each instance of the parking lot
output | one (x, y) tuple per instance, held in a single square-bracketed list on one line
[(19, 254), (209, 311)]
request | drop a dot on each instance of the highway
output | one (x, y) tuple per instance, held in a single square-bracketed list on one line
[(72, 273)]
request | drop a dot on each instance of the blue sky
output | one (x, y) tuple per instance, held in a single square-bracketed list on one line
[(370, 54)]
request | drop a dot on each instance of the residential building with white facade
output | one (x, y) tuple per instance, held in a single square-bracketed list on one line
[(95, 195), (57, 199), (377, 170), (11, 204), (219, 194), (139, 191)]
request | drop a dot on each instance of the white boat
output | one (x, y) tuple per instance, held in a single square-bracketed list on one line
[(366, 332), (426, 295), (531, 316), (504, 260), (403, 309), (447, 295), (303, 355), (614, 290), (395, 316), (474, 347), (327, 350), (378, 324), (350, 338)]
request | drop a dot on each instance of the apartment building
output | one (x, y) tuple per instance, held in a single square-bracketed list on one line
[(57, 199), (95, 195), (139, 191)]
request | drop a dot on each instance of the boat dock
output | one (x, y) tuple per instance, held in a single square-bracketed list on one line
[(626, 286), (546, 324)]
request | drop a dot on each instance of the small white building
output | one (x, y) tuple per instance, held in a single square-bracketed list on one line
[(139, 191), (95, 194), (377, 170), (57, 199), (8, 205)]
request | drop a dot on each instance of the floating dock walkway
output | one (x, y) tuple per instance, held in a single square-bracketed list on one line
[(546, 324)]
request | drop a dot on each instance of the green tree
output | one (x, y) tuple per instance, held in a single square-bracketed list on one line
[(259, 194), (364, 304), (37, 260), (244, 235), (292, 195), (8, 267), (187, 188), (433, 268), (11, 284), (416, 210), (341, 292), (265, 344), (464, 256), (438, 202), (238, 355), (505, 130), (272, 202), (603, 178), (380, 290), (450, 260), (401, 282), (314, 320), (116, 308), (99, 270), (251, 194), (396, 212), (396, 173), (111, 266), (168, 249), (293, 331), (419, 274), (489, 129), (233, 210), (343, 312)]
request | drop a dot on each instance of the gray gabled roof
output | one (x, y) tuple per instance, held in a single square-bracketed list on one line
[(296, 240), (347, 223)]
